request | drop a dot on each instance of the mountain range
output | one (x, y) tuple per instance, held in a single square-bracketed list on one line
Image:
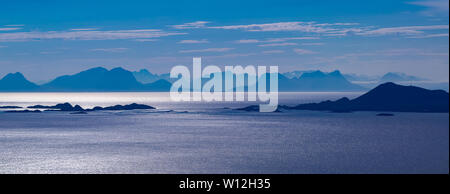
[(388, 77), (318, 81), (399, 77), (118, 79), (93, 80)]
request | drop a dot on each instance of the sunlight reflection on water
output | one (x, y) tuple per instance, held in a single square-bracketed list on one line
[(158, 99)]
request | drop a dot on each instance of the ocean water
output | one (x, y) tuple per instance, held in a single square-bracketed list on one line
[(204, 137)]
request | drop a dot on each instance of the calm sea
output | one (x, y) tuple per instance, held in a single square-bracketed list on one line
[(204, 137)]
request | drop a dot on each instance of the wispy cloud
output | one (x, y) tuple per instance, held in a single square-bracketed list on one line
[(247, 41), (49, 52), (111, 50), (15, 25), (2, 46), (207, 50), (269, 40), (405, 30), (273, 52), (231, 55), (290, 38), (387, 53), (433, 7), (278, 44), (311, 27), (409, 52), (83, 29), (339, 24), (430, 36), (327, 29), (9, 29), (197, 24), (303, 51), (313, 44), (348, 31), (332, 29), (86, 35), (146, 40), (194, 41)]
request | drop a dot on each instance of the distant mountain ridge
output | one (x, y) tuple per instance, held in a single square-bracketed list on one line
[(317, 81), (333, 81), (100, 79), (96, 79), (399, 77), (307, 81), (145, 77), (368, 80), (16, 82)]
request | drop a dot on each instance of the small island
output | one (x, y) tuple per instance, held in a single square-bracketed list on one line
[(10, 107), (385, 114), (77, 109)]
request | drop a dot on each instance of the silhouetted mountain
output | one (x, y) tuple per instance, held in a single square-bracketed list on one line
[(349, 76), (433, 85), (315, 81), (333, 81), (100, 79), (388, 97), (166, 76), (16, 82), (96, 79), (318, 81), (398, 77), (157, 86), (145, 77), (289, 81), (92, 80)]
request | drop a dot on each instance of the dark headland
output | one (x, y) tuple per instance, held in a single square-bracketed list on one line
[(387, 97)]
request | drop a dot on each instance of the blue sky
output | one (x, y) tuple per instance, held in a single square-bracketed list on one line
[(49, 38)]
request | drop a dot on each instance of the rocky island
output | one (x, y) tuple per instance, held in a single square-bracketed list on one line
[(67, 107), (9, 107)]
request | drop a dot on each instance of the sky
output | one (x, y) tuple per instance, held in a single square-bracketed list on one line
[(45, 39)]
